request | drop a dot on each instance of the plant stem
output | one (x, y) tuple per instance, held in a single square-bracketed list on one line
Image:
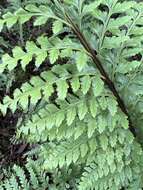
[(21, 34)]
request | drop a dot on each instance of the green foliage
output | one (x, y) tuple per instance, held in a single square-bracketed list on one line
[(84, 129), (30, 178)]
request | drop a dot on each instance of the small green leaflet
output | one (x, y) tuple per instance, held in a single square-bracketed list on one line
[(40, 58), (97, 86), (83, 150), (32, 8), (85, 84), (53, 55), (69, 132), (62, 88), (40, 21), (57, 26), (59, 117), (91, 127), (106, 169), (119, 154), (81, 60), (71, 113), (91, 7), (61, 161), (75, 84), (102, 123), (114, 42), (124, 121), (68, 158), (116, 23), (76, 154), (112, 105), (23, 15), (104, 141), (122, 7), (66, 52), (43, 42), (92, 144), (103, 102), (112, 169), (93, 106), (9, 61), (112, 120), (82, 110), (10, 19), (121, 136), (101, 158), (110, 157), (43, 13), (128, 66), (130, 137), (113, 139), (18, 53), (79, 130)]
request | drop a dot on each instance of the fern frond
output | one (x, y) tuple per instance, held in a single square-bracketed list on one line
[(42, 50), (42, 14), (44, 86), (33, 179)]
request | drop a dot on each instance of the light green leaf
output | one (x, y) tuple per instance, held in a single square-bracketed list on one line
[(76, 155), (43, 42), (57, 26), (91, 7), (128, 66), (114, 42), (83, 150), (18, 53), (97, 86), (53, 55), (66, 52), (69, 158), (102, 123), (40, 58), (110, 157), (62, 88), (122, 7), (113, 140), (8, 61), (91, 127), (112, 105), (92, 144), (103, 102), (81, 60), (104, 141), (32, 8), (23, 15), (71, 114), (116, 23), (85, 84), (75, 84), (79, 130), (82, 110), (113, 168), (93, 106), (59, 117), (124, 121), (40, 21), (10, 19)]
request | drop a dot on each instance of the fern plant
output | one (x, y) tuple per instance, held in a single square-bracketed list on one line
[(92, 119)]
